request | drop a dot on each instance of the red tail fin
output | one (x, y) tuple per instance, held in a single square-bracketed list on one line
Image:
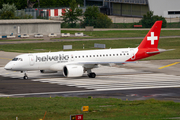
[(152, 38)]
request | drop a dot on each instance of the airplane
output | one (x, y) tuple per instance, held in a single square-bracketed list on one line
[(76, 63)]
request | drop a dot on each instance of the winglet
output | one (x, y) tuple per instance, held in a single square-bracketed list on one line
[(152, 38)]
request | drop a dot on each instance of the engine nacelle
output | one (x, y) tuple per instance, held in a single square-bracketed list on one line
[(73, 71), (48, 71)]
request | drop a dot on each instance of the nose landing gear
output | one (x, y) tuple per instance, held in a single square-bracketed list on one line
[(25, 75)]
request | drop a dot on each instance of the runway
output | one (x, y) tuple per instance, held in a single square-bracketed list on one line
[(119, 82)]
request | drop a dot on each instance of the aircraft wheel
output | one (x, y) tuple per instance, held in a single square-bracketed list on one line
[(25, 77), (92, 75)]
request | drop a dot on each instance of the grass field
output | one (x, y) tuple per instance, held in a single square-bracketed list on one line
[(60, 108), (167, 43), (119, 33)]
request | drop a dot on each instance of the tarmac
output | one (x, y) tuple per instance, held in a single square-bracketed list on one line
[(132, 81)]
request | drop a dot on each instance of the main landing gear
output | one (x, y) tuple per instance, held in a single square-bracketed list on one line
[(91, 74), (25, 75)]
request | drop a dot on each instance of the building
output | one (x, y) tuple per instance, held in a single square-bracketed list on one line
[(137, 8), (165, 8), (29, 26)]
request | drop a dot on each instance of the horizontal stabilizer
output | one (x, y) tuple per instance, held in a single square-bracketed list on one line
[(160, 50)]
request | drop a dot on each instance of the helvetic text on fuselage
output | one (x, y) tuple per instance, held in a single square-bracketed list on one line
[(60, 57)]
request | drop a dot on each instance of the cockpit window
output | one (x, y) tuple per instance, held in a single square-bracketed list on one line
[(20, 59), (17, 59)]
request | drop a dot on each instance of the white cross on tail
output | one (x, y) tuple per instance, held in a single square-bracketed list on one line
[(152, 38)]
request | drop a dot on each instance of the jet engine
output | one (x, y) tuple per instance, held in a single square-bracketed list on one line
[(73, 71)]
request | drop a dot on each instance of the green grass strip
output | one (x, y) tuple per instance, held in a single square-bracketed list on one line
[(165, 43), (60, 108)]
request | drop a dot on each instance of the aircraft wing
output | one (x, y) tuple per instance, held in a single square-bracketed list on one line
[(95, 63)]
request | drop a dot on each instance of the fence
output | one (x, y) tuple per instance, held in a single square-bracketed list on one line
[(40, 13), (32, 14)]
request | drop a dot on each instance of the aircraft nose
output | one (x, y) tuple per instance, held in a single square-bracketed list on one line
[(8, 66)]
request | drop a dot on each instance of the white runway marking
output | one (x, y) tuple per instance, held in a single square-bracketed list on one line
[(108, 78), (137, 81)]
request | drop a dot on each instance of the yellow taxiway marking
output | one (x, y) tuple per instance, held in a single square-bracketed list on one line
[(5, 58), (169, 65)]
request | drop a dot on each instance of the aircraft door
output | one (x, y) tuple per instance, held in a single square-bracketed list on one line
[(133, 54), (31, 60), (72, 57)]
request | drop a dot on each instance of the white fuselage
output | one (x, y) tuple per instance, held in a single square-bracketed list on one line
[(55, 61)]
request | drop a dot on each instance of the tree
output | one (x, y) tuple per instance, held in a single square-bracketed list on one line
[(90, 15), (8, 11), (149, 19), (71, 16), (103, 21), (22, 4), (93, 17)]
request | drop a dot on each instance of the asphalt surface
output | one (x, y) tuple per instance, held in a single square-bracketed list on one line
[(28, 88), (21, 86)]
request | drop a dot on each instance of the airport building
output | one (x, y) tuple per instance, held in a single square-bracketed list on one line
[(30, 26), (137, 8)]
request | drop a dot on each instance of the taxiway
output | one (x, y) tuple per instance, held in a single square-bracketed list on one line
[(133, 81)]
